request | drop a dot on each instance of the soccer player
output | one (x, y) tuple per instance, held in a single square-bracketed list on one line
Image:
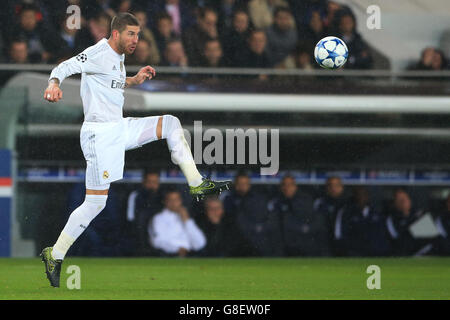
[(105, 135)]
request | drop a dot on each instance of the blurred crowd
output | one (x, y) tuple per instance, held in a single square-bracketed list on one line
[(204, 33), (245, 221)]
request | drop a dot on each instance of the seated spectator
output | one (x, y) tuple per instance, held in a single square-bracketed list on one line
[(329, 22), (40, 39), (359, 55), (255, 56), (226, 10), (330, 204), (173, 231), (304, 230), (212, 54), (18, 51), (221, 239), (69, 39), (97, 28), (281, 36), (101, 238), (174, 55), (261, 11), (315, 31), (360, 229), (431, 59), (301, 11), (164, 31), (235, 39), (248, 211), (442, 221), (399, 219), (179, 11), (147, 35), (142, 55), (142, 205), (194, 38)]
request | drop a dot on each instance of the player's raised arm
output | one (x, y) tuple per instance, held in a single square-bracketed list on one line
[(144, 73), (88, 61)]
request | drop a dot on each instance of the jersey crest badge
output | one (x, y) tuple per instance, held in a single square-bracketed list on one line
[(105, 174)]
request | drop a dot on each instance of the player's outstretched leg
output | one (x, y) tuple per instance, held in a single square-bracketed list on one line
[(181, 155), (52, 267)]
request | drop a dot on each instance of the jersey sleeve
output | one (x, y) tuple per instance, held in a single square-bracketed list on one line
[(88, 61)]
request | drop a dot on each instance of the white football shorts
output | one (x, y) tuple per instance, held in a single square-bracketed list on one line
[(104, 145)]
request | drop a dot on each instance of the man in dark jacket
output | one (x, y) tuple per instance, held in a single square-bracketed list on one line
[(401, 216), (195, 38), (248, 211), (282, 35), (361, 228), (42, 42), (359, 53), (235, 39), (221, 239), (143, 204), (304, 230), (329, 205), (255, 55), (180, 12)]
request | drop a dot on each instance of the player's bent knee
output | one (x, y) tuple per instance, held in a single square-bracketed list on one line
[(170, 124), (95, 204)]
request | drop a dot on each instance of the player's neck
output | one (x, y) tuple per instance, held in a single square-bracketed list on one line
[(114, 46)]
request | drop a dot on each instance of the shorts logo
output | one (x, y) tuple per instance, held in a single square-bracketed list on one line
[(105, 174)]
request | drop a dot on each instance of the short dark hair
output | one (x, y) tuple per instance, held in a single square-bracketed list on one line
[(122, 20), (288, 176), (163, 15), (241, 174), (254, 31), (281, 9), (150, 171), (333, 178), (171, 190), (28, 7), (212, 198), (202, 12)]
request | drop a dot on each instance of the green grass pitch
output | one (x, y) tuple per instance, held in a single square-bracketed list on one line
[(153, 278)]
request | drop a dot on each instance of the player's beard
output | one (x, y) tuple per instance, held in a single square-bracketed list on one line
[(123, 47)]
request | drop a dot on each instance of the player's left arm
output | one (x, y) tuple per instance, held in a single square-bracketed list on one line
[(144, 73)]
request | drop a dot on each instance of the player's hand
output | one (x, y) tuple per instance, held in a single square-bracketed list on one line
[(184, 214), (53, 93), (144, 74)]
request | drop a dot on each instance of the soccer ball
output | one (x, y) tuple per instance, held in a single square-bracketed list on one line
[(331, 53)]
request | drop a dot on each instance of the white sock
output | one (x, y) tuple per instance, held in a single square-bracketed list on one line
[(78, 221), (180, 152)]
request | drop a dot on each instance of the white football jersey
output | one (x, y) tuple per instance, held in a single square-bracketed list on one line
[(103, 79)]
